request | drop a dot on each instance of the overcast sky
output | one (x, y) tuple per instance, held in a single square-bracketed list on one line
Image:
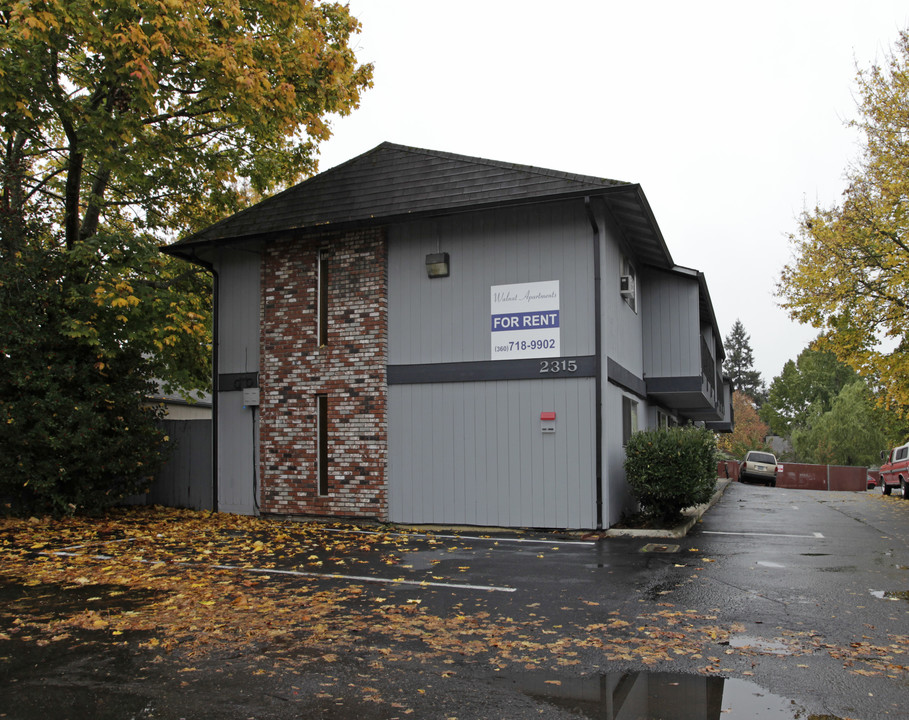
[(731, 116)]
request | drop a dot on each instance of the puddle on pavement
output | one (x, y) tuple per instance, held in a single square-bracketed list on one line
[(769, 647), (659, 548), (655, 696), (890, 594), (426, 559)]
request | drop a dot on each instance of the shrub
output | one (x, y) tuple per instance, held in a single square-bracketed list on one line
[(671, 469), (74, 431)]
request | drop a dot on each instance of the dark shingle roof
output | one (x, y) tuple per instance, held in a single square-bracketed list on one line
[(394, 181)]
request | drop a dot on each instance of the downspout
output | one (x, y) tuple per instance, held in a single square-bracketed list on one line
[(214, 385), (598, 364)]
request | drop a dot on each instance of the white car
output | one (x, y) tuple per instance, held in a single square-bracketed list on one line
[(758, 467)]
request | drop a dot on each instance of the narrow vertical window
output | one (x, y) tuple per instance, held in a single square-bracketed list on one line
[(323, 298), (322, 442), (629, 419)]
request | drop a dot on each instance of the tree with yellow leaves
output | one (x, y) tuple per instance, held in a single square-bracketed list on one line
[(125, 124), (750, 431), (159, 115), (850, 272)]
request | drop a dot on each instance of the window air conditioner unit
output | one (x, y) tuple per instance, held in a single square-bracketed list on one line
[(626, 286)]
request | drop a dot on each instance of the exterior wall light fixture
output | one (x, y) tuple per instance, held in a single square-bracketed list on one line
[(437, 265)]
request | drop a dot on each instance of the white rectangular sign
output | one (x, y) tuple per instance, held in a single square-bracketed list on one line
[(525, 320)]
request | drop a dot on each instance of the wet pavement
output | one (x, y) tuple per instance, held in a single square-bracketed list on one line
[(778, 604)]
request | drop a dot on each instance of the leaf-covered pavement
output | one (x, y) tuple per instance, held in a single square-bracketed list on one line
[(214, 580), (184, 585)]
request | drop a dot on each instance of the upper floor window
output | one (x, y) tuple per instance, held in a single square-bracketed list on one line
[(628, 284), (322, 320)]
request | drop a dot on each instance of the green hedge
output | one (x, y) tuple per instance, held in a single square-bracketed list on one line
[(671, 469), (75, 434)]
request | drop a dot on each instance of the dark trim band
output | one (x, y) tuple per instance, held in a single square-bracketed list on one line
[(229, 382), (488, 370), (688, 383), (618, 375)]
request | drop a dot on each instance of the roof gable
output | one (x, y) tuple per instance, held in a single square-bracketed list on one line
[(395, 181)]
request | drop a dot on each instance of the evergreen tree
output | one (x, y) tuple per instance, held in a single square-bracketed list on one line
[(739, 365)]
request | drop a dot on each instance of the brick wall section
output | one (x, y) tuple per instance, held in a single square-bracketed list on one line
[(350, 369)]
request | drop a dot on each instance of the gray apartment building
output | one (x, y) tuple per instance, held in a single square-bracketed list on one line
[(426, 338)]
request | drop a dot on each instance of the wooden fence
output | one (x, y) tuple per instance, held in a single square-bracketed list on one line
[(801, 476), (185, 480)]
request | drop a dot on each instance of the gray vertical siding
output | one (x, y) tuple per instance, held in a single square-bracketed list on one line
[(447, 320), (185, 479), (238, 311), (238, 352), (624, 343), (473, 453), (671, 322), (237, 452), (617, 495), (622, 325)]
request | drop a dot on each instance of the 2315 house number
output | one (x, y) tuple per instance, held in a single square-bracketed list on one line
[(558, 366)]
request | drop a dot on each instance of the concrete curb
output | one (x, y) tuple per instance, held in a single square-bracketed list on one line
[(692, 515)]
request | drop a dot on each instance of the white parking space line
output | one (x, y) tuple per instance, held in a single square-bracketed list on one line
[(367, 578), (303, 573), (493, 539), (758, 534), (534, 541)]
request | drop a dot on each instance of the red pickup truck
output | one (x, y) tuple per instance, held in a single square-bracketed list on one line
[(894, 473)]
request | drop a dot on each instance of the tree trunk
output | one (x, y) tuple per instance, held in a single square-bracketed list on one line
[(93, 211), (12, 200), (71, 195)]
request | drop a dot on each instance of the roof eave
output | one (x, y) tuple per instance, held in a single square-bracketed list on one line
[(189, 249)]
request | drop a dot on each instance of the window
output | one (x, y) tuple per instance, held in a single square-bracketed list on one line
[(628, 284), (662, 420), (322, 321), (629, 419), (322, 442), (761, 458)]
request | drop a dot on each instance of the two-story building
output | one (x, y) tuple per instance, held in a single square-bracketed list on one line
[(423, 337)]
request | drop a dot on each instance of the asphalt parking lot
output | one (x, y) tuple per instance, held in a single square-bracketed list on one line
[(779, 602)]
